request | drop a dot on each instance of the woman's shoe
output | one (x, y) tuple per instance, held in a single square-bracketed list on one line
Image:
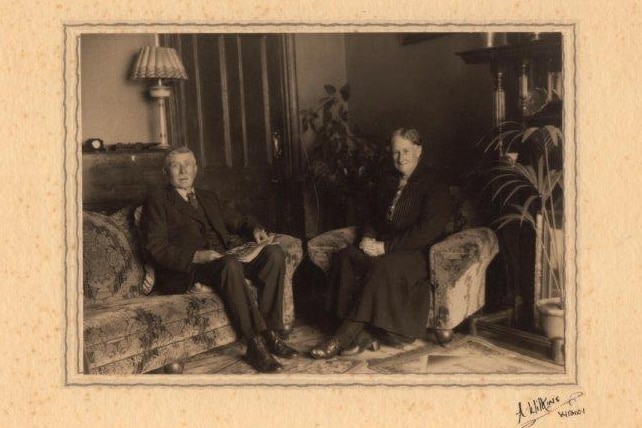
[(326, 350), (362, 342)]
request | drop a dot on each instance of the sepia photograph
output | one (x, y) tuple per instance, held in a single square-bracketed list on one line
[(326, 214), (320, 214), (356, 206)]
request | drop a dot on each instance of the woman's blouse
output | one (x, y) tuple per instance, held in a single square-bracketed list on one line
[(408, 217)]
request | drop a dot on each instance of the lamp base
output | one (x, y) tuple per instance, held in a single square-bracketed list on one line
[(159, 91)]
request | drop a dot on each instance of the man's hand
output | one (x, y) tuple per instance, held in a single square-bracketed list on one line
[(372, 247), (260, 235), (205, 256)]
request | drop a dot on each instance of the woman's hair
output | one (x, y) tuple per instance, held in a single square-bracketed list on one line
[(409, 134)]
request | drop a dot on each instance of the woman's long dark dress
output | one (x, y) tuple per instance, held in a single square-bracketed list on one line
[(392, 291)]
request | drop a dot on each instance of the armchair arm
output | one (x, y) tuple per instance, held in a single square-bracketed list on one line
[(455, 254), (322, 247), (458, 274)]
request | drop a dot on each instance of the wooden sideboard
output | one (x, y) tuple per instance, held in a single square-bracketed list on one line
[(111, 180)]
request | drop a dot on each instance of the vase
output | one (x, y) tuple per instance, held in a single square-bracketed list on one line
[(551, 317)]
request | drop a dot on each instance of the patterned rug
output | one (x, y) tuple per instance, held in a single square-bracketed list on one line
[(466, 355)]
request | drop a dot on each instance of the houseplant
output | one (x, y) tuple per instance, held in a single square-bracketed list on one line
[(527, 183), (339, 160)]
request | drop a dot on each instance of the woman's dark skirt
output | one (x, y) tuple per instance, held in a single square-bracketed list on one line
[(391, 292)]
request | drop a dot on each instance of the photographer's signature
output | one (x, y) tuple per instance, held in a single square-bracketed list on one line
[(531, 411)]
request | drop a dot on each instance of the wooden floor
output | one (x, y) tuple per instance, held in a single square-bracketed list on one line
[(229, 359)]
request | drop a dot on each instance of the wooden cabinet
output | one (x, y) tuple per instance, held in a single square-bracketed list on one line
[(527, 89), (527, 76), (112, 180)]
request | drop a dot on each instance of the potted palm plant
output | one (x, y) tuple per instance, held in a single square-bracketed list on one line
[(527, 183)]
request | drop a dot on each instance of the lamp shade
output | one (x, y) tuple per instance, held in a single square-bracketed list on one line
[(155, 62)]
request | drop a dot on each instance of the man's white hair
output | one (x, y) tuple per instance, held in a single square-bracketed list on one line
[(177, 151)]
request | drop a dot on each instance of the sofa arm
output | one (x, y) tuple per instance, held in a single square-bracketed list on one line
[(322, 247), (458, 274)]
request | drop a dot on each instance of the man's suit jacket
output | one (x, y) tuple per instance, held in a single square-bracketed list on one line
[(173, 230)]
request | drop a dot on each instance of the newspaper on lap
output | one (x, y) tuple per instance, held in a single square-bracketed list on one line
[(245, 253)]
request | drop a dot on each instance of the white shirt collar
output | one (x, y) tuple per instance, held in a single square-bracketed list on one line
[(184, 193)]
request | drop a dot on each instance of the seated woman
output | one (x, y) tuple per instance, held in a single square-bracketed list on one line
[(382, 283)]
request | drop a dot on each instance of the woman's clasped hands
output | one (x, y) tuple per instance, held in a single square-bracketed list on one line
[(372, 247)]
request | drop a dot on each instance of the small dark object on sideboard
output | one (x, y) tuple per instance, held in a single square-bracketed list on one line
[(131, 146)]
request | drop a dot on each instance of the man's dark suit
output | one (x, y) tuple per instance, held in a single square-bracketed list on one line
[(173, 231)]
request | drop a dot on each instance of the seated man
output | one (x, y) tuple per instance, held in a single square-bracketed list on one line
[(186, 232)]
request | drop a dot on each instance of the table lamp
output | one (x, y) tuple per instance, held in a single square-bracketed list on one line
[(159, 63)]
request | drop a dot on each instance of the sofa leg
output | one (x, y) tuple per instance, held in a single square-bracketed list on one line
[(175, 367), (444, 335)]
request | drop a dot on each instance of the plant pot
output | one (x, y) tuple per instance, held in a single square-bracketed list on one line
[(551, 317)]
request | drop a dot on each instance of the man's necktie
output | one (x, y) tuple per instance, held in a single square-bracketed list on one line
[(191, 197)]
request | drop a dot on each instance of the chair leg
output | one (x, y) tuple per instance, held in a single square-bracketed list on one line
[(444, 335), (287, 330)]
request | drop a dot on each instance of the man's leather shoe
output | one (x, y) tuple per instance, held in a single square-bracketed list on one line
[(277, 346), (363, 341), (326, 350), (260, 358)]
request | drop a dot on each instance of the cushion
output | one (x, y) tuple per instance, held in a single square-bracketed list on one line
[(110, 268), (150, 275), (128, 219)]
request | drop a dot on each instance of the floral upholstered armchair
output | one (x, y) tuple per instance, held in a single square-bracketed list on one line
[(457, 272)]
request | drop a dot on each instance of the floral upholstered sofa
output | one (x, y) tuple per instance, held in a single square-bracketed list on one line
[(457, 272), (126, 328)]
